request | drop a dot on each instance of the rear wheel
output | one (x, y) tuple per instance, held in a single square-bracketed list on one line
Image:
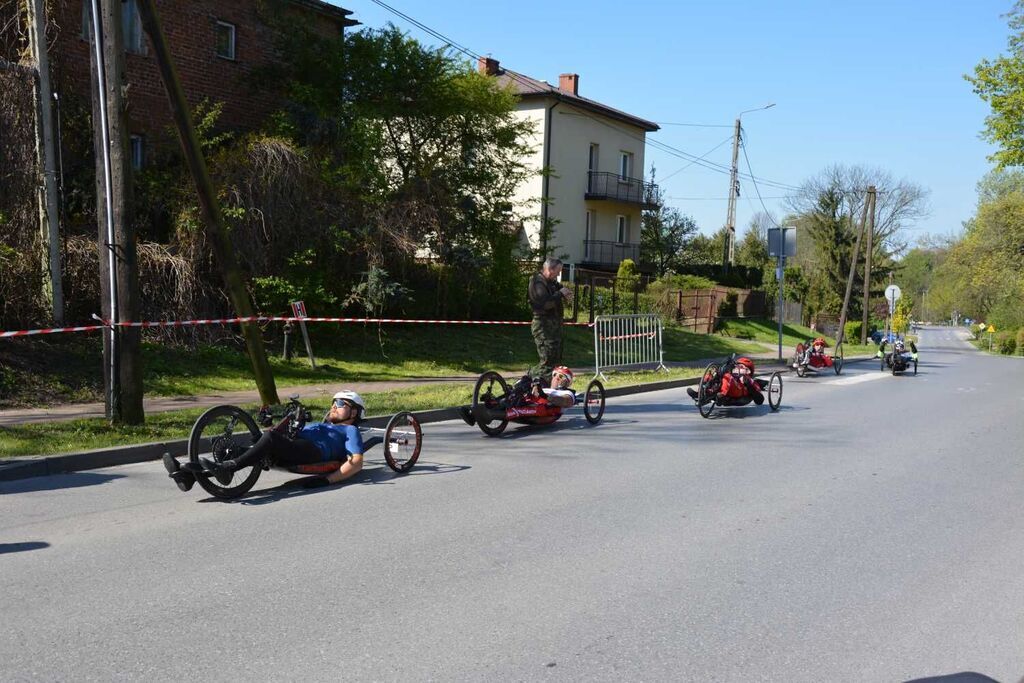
[(490, 393), (403, 439), (775, 391), (837, 360), (707, 389), (801, 369), (224, 433), (593, 402)]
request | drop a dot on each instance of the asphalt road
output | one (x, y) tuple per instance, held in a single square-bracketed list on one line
[(871, 530)]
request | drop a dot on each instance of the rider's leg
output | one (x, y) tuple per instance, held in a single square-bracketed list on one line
[(184, 480), (272, 444)]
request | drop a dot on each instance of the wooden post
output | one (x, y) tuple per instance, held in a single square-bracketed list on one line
[(213, 219), (849, 282), (867, 265)]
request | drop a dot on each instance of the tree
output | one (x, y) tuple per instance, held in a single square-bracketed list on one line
[(705, 250), (1000, 83), (901, 315), (752, 250), (665, 234)]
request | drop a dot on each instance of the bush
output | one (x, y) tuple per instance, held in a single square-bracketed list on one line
[(1005, 343), (728, 307), (852, 330), (1020, 341)]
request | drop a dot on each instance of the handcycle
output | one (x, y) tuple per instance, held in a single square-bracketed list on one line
[(804, 363), (225, 432), (898, 361), (711, 382), (495, 404)]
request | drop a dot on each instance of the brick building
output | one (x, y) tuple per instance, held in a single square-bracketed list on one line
[(218, 47)]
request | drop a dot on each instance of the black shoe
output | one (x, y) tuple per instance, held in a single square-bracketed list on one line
[(467, 415), (223, 472), (692, 393), (758, 398), (184, 480)]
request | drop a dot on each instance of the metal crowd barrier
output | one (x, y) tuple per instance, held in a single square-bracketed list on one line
[(623, 341)]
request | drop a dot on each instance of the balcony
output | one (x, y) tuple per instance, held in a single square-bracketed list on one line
[(615, 187), (607, 253)]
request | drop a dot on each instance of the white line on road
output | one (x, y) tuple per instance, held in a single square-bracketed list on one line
[(857, 379)]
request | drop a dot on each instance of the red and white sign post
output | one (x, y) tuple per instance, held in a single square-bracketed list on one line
[(299, 310)]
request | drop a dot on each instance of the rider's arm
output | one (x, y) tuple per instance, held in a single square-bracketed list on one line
[(354, 446), (540, 299)]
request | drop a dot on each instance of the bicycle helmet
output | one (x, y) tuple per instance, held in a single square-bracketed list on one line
[(564, 376), (819, 340), (746, 362), (899, 346), (353, 398)]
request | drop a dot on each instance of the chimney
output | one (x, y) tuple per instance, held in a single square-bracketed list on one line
[(569, 83), (487, 66)]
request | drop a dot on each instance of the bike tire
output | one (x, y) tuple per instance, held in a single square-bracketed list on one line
[(481, 397), (775, 393), (196, 447), (801, 370), (707, 380), (837, 360), (593, 400), (399, 454)]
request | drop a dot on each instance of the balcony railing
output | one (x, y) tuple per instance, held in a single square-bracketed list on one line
[(604, 185), (606, 253)]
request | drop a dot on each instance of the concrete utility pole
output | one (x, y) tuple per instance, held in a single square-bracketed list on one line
[(48, 206), (729, 253), (117, 256), (216, 230), (872, 196), (849, 281)]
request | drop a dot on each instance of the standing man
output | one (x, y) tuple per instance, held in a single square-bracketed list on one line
[(546, 297)]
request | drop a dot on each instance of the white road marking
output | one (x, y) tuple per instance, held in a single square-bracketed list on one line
[(857, 379)]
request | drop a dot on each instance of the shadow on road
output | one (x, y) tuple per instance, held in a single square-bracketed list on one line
[(22, 547), (297, 488), (526, 431), (71, 480)]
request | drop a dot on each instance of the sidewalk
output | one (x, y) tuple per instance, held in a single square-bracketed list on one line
[(309, 392)]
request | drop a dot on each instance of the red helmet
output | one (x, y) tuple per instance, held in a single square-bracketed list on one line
[(820, 340), (563, 382), (746, 362)]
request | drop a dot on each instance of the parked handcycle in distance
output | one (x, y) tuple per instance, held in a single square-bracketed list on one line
[(707, 398), (495, 404), (225, 432)]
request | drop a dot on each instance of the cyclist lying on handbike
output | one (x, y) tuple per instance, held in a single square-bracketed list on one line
[(335, 439), (531, 391), (738, 387)]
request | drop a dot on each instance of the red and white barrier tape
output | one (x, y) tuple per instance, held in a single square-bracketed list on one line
[(646, 335), (261, 319)]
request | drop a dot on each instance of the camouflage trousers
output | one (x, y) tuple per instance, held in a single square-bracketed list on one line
[(547, 334)]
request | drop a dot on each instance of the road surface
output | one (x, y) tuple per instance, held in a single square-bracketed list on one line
[(872, 530)]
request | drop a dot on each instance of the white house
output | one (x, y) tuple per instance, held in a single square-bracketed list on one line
[(595, 155)]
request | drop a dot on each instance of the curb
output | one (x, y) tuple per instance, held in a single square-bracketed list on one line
[(12, 469)]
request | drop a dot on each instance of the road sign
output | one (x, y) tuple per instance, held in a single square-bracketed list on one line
[(991, 328), (892, 293), (782, 241), (299, 309)]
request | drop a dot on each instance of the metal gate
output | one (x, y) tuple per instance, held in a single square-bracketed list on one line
[(622, 341)]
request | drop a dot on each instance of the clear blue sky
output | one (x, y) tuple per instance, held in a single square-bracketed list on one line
[(872, 83)]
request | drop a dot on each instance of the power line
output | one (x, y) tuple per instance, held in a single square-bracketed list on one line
[(746, 158), (661, 146), (680, 170), (720, 199), (695, 125)]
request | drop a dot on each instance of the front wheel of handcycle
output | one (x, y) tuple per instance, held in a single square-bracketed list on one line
[(706, 391), (593, 402), (837, 360), (775, 391), (403, 439), (801, 369), (224, 433), (489, 393)]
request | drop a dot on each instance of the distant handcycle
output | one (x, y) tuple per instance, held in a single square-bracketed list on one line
[(708, 395), (225, 432), (495, 403), (811, 357), (899, 360)]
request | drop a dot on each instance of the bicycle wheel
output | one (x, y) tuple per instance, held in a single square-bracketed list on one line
[(775, 391), (224, 433), (706, 390), (593, 402), (490, 393), (801, 370), (403, 439), (837, 360)]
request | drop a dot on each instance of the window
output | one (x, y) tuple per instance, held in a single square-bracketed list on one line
[(622, 229), (224, 39), (588, 234), (131, 26), (138, 151), (625, 164)]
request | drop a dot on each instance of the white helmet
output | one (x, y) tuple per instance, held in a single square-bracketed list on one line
[(352, 396)]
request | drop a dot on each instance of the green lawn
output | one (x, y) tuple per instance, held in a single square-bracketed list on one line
[(37, 371), (81, 435)]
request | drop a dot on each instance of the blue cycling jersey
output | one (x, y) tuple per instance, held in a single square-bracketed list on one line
[(336, 442)]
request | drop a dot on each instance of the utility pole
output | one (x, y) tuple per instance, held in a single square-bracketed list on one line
[(872, 196), (117, 256), (729, 253), (48, 206), (216, 230), (849, 281)]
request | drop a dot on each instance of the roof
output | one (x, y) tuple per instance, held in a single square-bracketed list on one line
[(339, 13), (530, 88)]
